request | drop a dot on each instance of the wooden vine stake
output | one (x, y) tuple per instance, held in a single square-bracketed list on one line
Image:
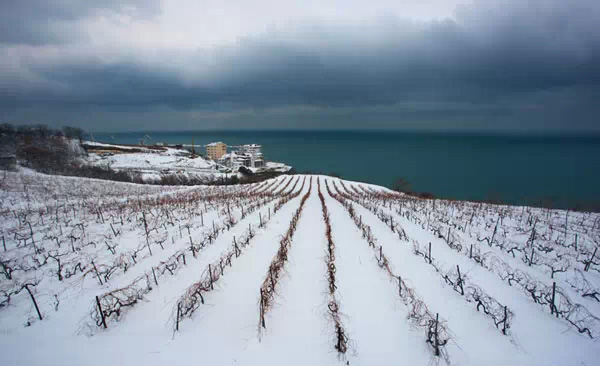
[(262, 309), (154, 274), (460, 281), (429, 253), (505, 319), (589, 263), (101, 312), (553, 309), (531, 258), (436, 346), (399, 286), (97, 274), (178, 316)]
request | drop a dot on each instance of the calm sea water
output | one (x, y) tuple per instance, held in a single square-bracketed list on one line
[(514, 169)]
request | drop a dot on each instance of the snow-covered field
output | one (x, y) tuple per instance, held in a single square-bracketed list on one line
[(302, 270)]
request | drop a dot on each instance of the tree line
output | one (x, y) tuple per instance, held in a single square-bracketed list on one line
[(40, 130)]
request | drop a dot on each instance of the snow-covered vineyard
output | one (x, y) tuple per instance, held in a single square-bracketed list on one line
[(305, 270)]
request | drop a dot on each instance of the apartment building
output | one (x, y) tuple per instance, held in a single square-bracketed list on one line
[(215, 150), (255, 154)]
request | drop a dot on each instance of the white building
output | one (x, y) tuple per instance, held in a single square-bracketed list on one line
[(249, 156), (255, 154), (235, 160)]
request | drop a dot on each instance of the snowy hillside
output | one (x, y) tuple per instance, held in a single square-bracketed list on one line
[(302, 270), (155, 162), (150, 163)]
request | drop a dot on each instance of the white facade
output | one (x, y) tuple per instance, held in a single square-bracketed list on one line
[(255, 154), (246, 155)]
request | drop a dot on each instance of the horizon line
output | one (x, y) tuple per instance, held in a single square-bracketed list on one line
[(549, 133)]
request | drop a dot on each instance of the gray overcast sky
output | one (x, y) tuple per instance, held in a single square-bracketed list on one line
[(110, 65)]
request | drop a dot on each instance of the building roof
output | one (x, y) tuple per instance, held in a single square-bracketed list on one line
[(216, 144)]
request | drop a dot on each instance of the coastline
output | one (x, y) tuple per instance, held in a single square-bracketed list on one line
[(530, 169)]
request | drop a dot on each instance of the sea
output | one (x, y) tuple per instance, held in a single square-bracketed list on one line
[(560, 171)]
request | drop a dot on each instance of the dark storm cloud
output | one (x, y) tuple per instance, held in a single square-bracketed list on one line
[(490, 62), (39, 22)]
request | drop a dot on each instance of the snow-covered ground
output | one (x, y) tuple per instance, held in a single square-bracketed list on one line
[(277, 167), (137, 274), (157, 161), (97, 144)]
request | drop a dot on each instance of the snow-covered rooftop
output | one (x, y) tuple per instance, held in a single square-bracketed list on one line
[(215, 143)]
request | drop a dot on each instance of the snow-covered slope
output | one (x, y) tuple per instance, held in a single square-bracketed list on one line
[(152, 163), (170, 158), (155, 162), (295, 270)]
